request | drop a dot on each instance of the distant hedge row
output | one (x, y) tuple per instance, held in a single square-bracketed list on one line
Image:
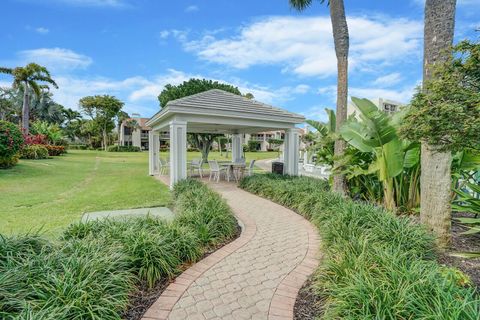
[(375, 265)]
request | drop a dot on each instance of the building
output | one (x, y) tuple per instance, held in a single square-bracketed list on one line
[(134, 132), (386, 105), (264, 137)]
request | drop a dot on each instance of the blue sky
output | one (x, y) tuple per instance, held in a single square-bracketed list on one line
[(132, 48)]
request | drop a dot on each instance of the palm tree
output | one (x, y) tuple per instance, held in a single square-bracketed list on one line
[(341, 40), (29, 77), (71, 115), (435, 180)]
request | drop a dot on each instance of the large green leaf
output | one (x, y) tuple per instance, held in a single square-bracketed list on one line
[(411, 156), (377, 125), (390, 160), (354, 133), (468, 220), (332, 120)]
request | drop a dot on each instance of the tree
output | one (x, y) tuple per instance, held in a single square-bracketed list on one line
[(102, 109), (31, 76), (435, 180), (201, 141), (121, 117), (341, 40), (445, 116)]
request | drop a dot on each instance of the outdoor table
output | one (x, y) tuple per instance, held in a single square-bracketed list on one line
[(231, 168)]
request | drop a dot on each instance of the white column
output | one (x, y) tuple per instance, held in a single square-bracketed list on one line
[(153, 149), (178, 151), (290, 153), (236, 147)]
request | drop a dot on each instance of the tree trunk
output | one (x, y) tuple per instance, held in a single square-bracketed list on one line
[(105, 137), (26, 110), (341, 39), (435, 179)]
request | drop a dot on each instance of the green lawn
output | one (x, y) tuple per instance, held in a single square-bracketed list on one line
[(48, 195)]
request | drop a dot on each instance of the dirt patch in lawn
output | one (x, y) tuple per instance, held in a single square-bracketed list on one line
[(464, 243), (309, 305), (143, 298)]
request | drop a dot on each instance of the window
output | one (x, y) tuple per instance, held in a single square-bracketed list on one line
[(387, 107), (127, 131)]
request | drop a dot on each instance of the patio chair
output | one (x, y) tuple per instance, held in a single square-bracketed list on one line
[(196, 164), (250, 168), (216, 170), (164, 166)]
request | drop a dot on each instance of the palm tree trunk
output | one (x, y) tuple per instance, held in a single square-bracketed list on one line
[(435, 179), (26, 110), (341, 39)]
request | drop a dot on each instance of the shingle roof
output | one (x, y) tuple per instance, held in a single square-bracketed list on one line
[(219, 99)]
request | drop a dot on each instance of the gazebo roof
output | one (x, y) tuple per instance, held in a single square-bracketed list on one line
[(223, 112)]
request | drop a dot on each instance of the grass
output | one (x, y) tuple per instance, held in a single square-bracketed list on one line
[(50, 194), (375, 265), (95, 267)]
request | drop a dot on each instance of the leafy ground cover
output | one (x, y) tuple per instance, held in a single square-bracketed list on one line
[(375, 265), (95, 267)]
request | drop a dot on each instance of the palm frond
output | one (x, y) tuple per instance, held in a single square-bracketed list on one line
[(6, 70)]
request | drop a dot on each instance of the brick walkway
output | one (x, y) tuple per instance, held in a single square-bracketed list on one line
[(255, 277)]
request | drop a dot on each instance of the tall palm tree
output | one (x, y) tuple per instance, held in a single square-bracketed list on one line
[(435, 181), (341, 40), (29, 77)]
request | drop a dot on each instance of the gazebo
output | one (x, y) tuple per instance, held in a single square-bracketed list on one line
[(218, 111)]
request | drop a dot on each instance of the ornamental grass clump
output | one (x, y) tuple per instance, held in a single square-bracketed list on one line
[(95, 267), (375, 265)]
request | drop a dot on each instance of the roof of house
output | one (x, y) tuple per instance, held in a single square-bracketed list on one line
[(141, 122), (217, 102)]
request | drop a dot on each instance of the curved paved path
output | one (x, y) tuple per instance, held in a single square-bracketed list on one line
[(256, 276)]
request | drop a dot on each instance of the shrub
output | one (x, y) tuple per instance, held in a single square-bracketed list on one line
[(35, 139), (11, 141), (117, 148), (34, 152), (77, 146), (54, 151), (253, 145), (91, 271), (375, 265)]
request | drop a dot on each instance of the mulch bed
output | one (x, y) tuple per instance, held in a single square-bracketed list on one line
[(469, 243), (143, 298), (308, 306)]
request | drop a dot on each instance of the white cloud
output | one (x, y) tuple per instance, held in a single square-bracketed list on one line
[(388, 80), (192, 8), (316, 113), (164, 34), (42, 30), (57, 59), (305, 45), (402, 95)]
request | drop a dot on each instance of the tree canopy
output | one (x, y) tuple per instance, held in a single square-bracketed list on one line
[(192, 86), (446, 113)]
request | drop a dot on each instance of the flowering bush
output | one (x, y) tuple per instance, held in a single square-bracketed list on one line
[(34, 152), (31, 139), (11, 141), (54, 151)]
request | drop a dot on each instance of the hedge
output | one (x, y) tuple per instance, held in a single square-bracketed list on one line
[(34, 152), (117, 148), (11, 141), (375, 265), (93, 270)]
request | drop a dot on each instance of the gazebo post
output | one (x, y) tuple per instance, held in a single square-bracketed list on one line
[(236, 147), (178, 151), (153, 148), (290, 153)]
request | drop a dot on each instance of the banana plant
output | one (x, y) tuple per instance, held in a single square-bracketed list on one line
[(375, 132), (324, 140)]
